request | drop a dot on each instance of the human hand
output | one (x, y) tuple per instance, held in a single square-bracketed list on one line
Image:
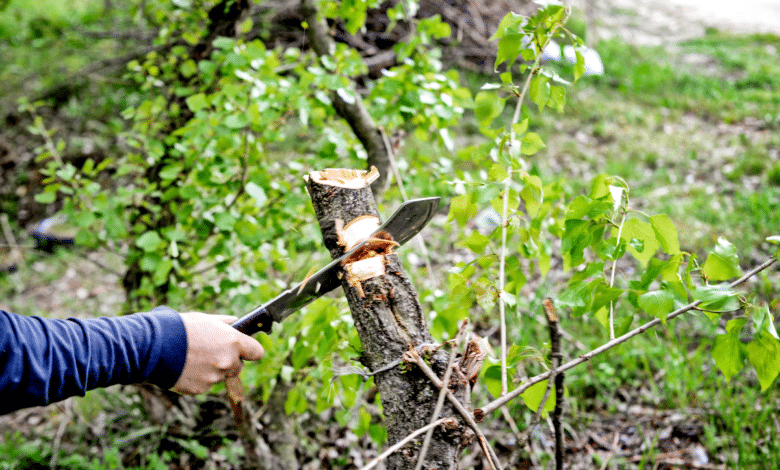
[(214, 352)]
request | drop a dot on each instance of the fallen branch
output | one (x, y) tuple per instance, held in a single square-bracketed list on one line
[(495, 404)]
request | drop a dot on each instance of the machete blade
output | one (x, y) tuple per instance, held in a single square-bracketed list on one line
[(406, 222)]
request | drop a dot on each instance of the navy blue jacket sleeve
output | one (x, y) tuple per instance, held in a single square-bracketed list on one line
[(46, 360)]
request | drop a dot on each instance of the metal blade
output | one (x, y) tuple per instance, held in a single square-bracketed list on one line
[(406, 222)]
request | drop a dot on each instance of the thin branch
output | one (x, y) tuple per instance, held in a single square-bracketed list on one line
[(403, 442), (504, 213), (420, 242), (413, 356), (502, 285), (244, 169), (440, 400), (495, 404), (612, 282), (16, 253)]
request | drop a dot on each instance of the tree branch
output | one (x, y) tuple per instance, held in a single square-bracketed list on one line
[(355, 113), (495, 404), (413, 356)]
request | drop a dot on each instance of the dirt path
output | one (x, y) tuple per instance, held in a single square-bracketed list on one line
[(657, 22)]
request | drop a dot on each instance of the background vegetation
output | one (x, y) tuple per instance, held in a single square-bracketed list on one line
[(692, 130)]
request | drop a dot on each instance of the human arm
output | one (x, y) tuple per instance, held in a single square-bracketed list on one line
[(47, 360)]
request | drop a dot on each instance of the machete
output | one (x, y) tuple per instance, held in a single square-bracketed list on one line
[(403, 225)]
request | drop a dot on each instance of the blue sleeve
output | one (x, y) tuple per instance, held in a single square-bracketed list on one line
[(46, 360)]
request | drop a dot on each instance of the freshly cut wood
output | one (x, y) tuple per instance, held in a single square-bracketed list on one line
[(389, 320)]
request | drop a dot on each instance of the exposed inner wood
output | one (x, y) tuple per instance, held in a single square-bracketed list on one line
[(356, 230), (344, 178)]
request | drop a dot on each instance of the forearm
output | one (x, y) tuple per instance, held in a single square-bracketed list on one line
[(45, 360)]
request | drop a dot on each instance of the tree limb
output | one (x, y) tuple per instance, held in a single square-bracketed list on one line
[(495, 404), (355, 113)]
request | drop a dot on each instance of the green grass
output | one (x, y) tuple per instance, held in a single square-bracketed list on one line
[(43, 44), (698, 142)]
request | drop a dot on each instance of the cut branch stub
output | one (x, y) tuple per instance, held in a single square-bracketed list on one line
[(387, 315)]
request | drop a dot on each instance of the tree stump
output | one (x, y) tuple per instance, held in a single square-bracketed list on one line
[(388, 317)]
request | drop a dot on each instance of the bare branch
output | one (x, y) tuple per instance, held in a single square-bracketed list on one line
[(495, 404), (403, 442), (413, 356), (440, 400)]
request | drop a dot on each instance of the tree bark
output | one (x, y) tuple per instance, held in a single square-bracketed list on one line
[(389, 320)]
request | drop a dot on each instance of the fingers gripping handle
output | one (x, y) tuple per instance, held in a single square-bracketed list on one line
[(257, 320)]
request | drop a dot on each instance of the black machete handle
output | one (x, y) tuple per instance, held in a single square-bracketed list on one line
[(257, 320)]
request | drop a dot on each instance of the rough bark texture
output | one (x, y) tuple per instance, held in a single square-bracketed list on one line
[(389, 320)]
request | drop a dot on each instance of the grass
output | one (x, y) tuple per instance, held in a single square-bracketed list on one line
[(43, 45), (696, 142)]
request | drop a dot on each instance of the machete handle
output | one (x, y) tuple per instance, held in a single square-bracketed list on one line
[(257, 320)]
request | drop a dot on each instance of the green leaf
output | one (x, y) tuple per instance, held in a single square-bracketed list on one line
[(248, 233), (497, 173), (170, 172), (539, 91), (532, 397), (657, 303), (558, 97), (531, 143), (476, 242), (579, 68), (603, 295), (774, 239), (575, 296), (508, 23), (160, 275), (149, 241), (492, 379), (665, 233), (188, 68), (197, 102), (729, 354), (764, 353), (722, 263), (532, 194), (150, 261), (764, 321), (46, 198), (719, 298), (236, 121), (487, 105), (635, 229), (462, 209), (576, 238), (509, 48), (521, 127), (256, 192)]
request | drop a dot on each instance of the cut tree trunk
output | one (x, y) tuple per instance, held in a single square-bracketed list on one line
[(388, 318)]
